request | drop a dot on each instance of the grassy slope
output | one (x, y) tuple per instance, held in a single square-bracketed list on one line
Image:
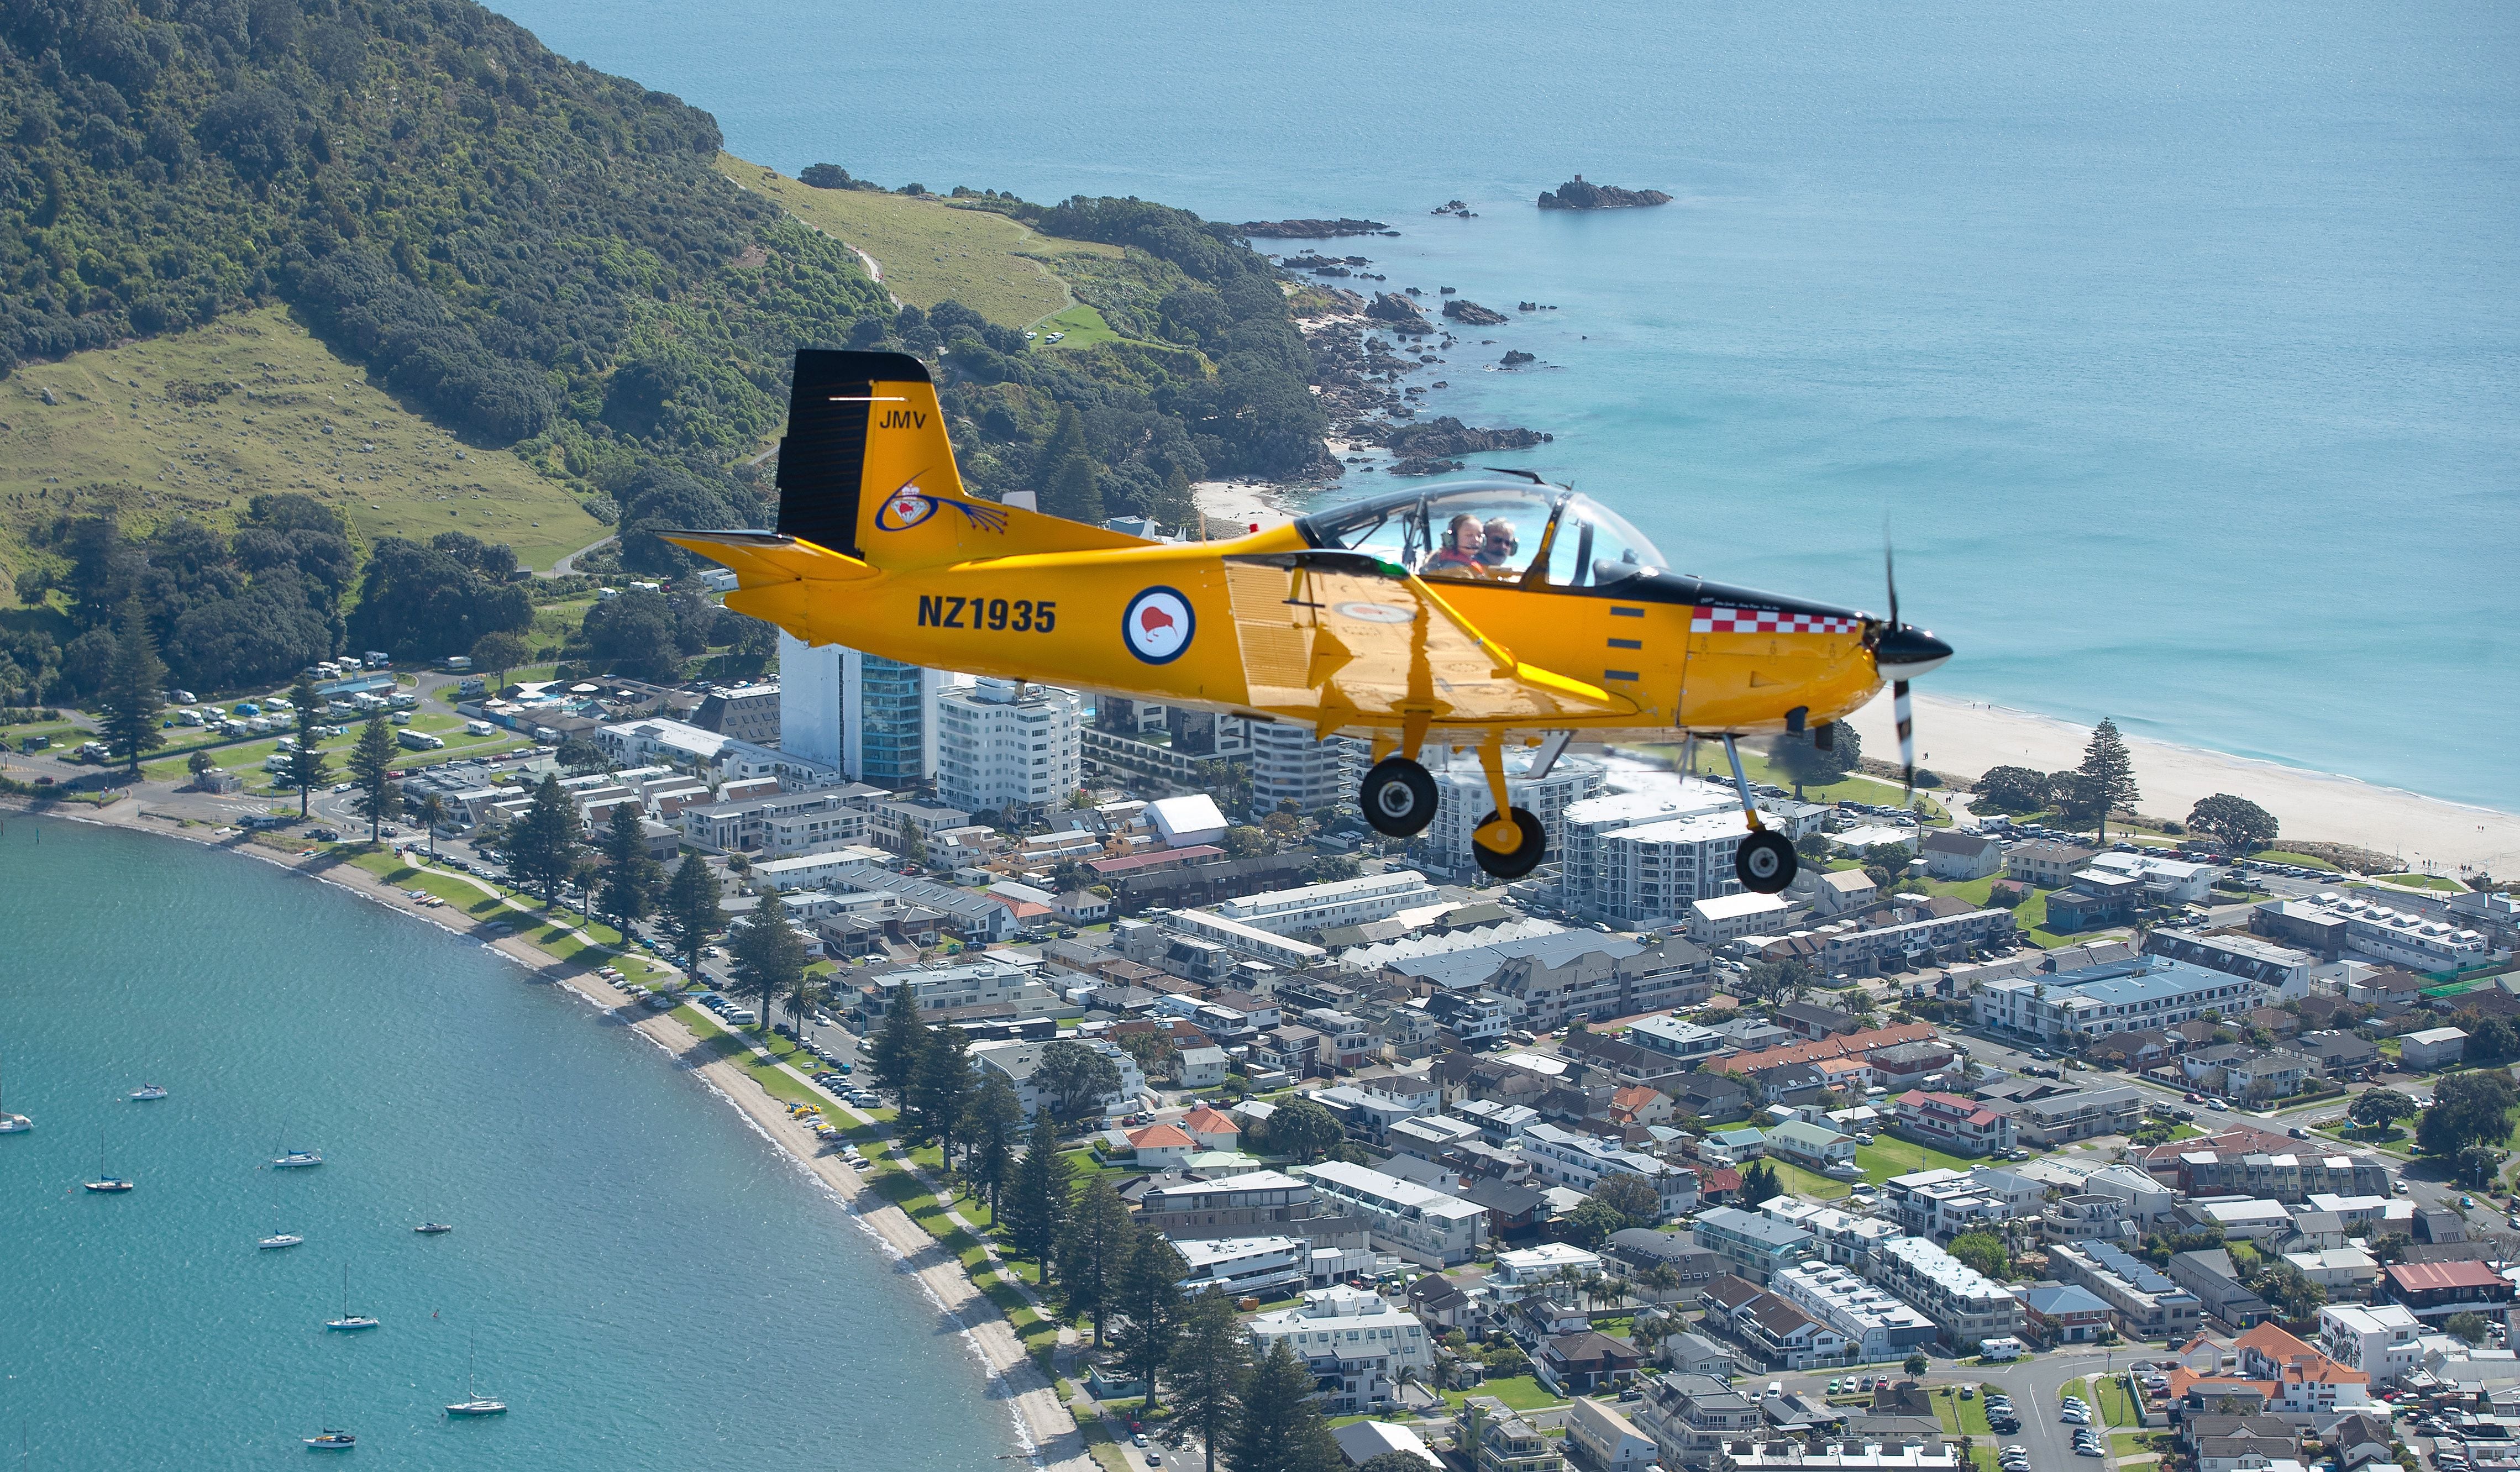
[(108, 442), (932, 251)]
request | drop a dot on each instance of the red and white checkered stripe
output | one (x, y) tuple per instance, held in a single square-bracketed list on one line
[(1709, 619)]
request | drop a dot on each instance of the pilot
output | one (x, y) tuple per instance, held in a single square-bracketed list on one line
[(1500, 545), (1459, 557)]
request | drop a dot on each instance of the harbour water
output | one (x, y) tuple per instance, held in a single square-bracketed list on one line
[(2175, 344), (649, 1282)]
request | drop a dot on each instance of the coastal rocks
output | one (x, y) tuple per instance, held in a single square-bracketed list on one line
[(1471, 314), (1441, 438), (1453, 208), (1425, 466), (1398, 314), (1312, 230), (1515, 359), (1575, 194)]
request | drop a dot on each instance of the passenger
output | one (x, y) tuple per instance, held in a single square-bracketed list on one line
[(1459, 557), (1501, 545)]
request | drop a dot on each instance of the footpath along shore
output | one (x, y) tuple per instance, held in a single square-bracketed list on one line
[(1047, 1428)]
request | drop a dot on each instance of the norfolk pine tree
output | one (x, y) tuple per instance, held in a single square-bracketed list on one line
[(1281, 1427), (2105, 782), (1036, 1208), (543, 843), (897, 1044), (371, 770), (692, 909), (629, 874), (1150, 1305), (1094, 1253), (940, 1086), (1210, 1361), (992, 1122), (134, 697), (307, 768), (769, 954)]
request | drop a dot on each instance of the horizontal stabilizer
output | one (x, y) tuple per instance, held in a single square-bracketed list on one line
[(762, 558)]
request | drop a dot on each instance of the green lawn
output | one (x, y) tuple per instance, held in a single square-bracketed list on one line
[(1517, 1392), (2434, 882), (1082, 325), (2114, 1407), (1889, 1156), (146, 457), (1858, 786), (1811, 1185), (2298, 860)]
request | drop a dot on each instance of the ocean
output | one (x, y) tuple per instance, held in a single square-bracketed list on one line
[(648, 1282), (2172, 345)]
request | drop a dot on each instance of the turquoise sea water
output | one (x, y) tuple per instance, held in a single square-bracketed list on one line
[(2175, 344), (650, 1284)]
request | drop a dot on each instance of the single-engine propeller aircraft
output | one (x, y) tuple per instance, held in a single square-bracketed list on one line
[(1472, 614)]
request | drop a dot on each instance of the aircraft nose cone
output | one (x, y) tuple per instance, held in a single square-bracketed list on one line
[(1906, 651)]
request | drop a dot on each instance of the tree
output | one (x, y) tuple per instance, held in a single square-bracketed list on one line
[(1155, 1051), (1210, 1361), (1094, 1253), (1633, 1197), (897, 1045), (2468, 1326), (2379, 1108), (372, 772), (2475, 1165), (940, 1086), (2105, 782), (1036, 1210), (2239, 824), (1983, 1251), (2468, 1108), (1176, 503), (500, 650), (629, 874), (1068, 485), (914, 843), (1244, 841), (1759, 1183), (1916, 1364), (692, 909), (769, 954), (202, 764), (1303, 1131), (307, 768), (992, 1120), (1799, 756), (430, 811), (1281, 1427), (133, 698), (2016, 790), (1150, 1305), (542, 842), (2289, 1289), (1075, 1077), (1393, 1461), (804, 996)]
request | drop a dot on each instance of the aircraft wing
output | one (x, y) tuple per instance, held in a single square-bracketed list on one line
[(1330, 636)]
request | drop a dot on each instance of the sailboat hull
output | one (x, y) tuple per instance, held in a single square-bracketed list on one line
[(478, 1408)]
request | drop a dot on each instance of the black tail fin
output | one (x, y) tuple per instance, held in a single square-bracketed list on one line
[(832, 402)]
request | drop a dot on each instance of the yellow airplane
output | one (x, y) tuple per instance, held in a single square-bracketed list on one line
[(1472, 614)]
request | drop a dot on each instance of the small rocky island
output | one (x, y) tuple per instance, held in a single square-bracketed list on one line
[(1312, 230), (1575, 194), (1468, 312), (1397, 314)]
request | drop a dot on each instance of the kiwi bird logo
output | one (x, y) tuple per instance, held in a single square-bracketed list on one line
[(1159, 625)]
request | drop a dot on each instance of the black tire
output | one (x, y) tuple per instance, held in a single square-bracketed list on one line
[(1765, 864), (1398, 797), (1526, 855)]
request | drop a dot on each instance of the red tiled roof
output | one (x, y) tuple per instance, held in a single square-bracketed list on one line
[(1825, 1047), (1161, 1138), (2418, 1277), (1721, 1179), (1129, 861), (1206, 1121)]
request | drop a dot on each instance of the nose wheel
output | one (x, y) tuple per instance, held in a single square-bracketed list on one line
[(1398, 797), (1765, 863)]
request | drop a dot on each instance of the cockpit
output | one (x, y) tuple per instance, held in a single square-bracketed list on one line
[(1535, 536)]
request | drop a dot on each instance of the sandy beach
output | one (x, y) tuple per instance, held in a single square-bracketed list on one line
[(1965, 738), (1042, 1421)]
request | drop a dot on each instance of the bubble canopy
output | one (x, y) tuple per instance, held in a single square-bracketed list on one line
[(1527, 533)]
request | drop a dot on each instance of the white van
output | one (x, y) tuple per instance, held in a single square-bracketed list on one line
[(478, 727), (1775, 1390)]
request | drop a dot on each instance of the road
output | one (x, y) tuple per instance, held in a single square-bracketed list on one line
[(2033, 1384)]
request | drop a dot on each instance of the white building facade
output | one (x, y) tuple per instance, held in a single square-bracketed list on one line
[(1001, 743)]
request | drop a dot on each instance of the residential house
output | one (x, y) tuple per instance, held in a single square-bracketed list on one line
[(2248, 1073), (1491, 1437), (2432, 1048), (1692, 1415), (2063, 1313), (1586, 1362), (2434, 1291), (2144, 1301), (1960, 854), (1815, 1146), (1811, 1020), (1161, 1146), (1755, 1244), (2382, 1340), (2147, 1048), (2051, 1119), (1419, 1222), (1606, 1441), (2307, 1382), (1694, 1354), (2338, 1054), (2208, 1274), (1355, 1344), (2047, 863), (1948, 1121)]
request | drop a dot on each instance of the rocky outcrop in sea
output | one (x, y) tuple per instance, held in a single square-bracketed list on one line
[(1312, 230), (1471, 314), (1439, 438), (1398, 313), (1575, 194)]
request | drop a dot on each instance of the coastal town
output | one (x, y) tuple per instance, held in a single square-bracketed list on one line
[(1611, 1167)]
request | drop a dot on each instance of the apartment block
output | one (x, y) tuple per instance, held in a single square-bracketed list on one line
[(1969, 1306)]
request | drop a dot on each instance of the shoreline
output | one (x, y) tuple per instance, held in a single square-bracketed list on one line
[(1964, 738), (1046, 1433)]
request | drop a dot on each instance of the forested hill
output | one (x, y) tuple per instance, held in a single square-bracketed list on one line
[(541, 256)]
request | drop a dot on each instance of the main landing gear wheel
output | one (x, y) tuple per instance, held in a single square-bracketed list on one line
[(1765, 863), (1525, 856), (1398, 797)]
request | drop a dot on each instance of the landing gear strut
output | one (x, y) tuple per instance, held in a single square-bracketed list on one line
[(1510, 841), (1765, 863)]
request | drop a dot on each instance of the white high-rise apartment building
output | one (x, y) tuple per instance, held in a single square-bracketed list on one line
[(1462, 802), (1002, 743), (1289, 765), (874, 718)]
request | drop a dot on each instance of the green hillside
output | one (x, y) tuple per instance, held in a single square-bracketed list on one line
[(194, 423)]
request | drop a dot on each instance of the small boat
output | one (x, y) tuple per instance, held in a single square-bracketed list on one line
[(147, 1091), (299, 1160), (332, 1441), (14, 1124), (475, 1404), (106, 1182), (350, 1322), (432, 1228), (280, 1240)]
